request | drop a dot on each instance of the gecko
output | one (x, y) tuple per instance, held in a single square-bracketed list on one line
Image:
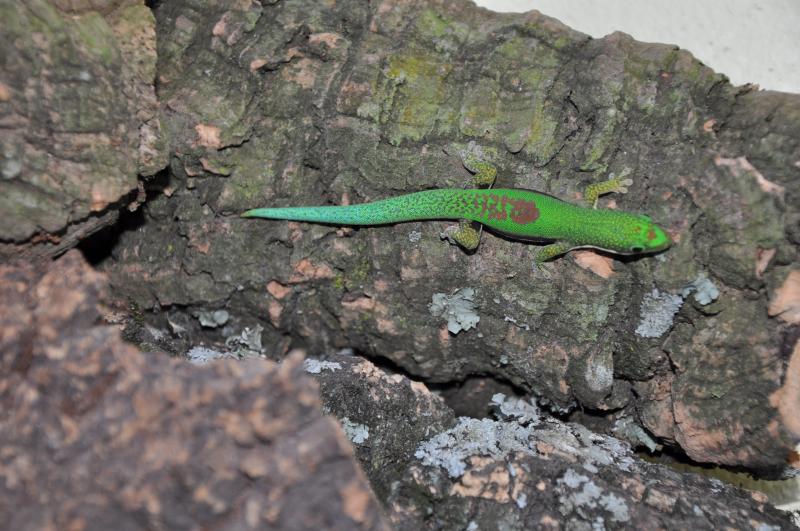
[(514, 212)]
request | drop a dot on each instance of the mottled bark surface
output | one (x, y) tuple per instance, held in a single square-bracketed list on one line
[(79, 121), (96, 435), (519, 471), (290, 103)]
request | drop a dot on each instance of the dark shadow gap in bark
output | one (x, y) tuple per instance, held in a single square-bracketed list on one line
[(676, 459), (472, 395), (98, 247)]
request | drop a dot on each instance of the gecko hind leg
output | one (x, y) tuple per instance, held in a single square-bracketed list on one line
[(614, 184), (464, 235), (485, 174)]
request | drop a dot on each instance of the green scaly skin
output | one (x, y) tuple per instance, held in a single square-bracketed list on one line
[(517, 213)]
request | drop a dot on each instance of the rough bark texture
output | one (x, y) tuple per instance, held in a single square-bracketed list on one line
[(516, 472), (305, 102), (78, 118), (279, 102), (96, 435)]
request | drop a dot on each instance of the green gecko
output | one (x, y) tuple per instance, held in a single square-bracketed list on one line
[(517, 213)]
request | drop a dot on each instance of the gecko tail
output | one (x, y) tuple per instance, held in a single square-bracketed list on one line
[(425, 205), (327, 214), (365, 214), (256, 213)]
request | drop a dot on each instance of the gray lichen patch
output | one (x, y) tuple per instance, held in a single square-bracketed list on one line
[(705, 292), (516, 409), (200, 355), (247, 342), (451, 449), (657, 313), (659, 308), (315, 366), (459, 309), (522, 432), (357, 433), (212, 319), (581, 491)]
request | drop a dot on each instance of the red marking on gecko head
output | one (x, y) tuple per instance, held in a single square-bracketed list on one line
[(523, 211), (651, 234)]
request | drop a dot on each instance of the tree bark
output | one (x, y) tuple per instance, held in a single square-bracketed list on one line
[(79, 120), (273, 103), (292, 103), (96, 435), (517, 470)]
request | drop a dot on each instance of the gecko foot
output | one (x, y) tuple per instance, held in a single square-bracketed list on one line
[(484, 173), (463, 234), (485, 176), (612, 185)]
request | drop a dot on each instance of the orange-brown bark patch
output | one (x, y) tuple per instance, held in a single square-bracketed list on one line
[(278, 290), (219, 27), (275, 310), (598, 264), (360, 304), (303, 72), (354, 309), (763, 258), (305, 271), (386, 326), (255, 64), (329, 39), (356, 500), (660, 500), (785, 303), (486, 478), (208, 136), (787, 399)]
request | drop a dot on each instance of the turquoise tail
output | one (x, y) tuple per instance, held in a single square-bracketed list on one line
[(429, 204)]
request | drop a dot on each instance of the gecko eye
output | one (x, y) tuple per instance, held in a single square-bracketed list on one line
[(637, 249)]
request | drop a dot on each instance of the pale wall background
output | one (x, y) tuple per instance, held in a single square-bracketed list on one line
[(750, 41)]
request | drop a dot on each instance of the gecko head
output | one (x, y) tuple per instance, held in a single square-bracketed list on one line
[(647, 237)]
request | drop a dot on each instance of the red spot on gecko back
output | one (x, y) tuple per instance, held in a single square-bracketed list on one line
[(497, 207), (523, 211)]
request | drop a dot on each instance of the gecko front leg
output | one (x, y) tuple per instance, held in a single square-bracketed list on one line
[(614, 184), (547, 253)]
